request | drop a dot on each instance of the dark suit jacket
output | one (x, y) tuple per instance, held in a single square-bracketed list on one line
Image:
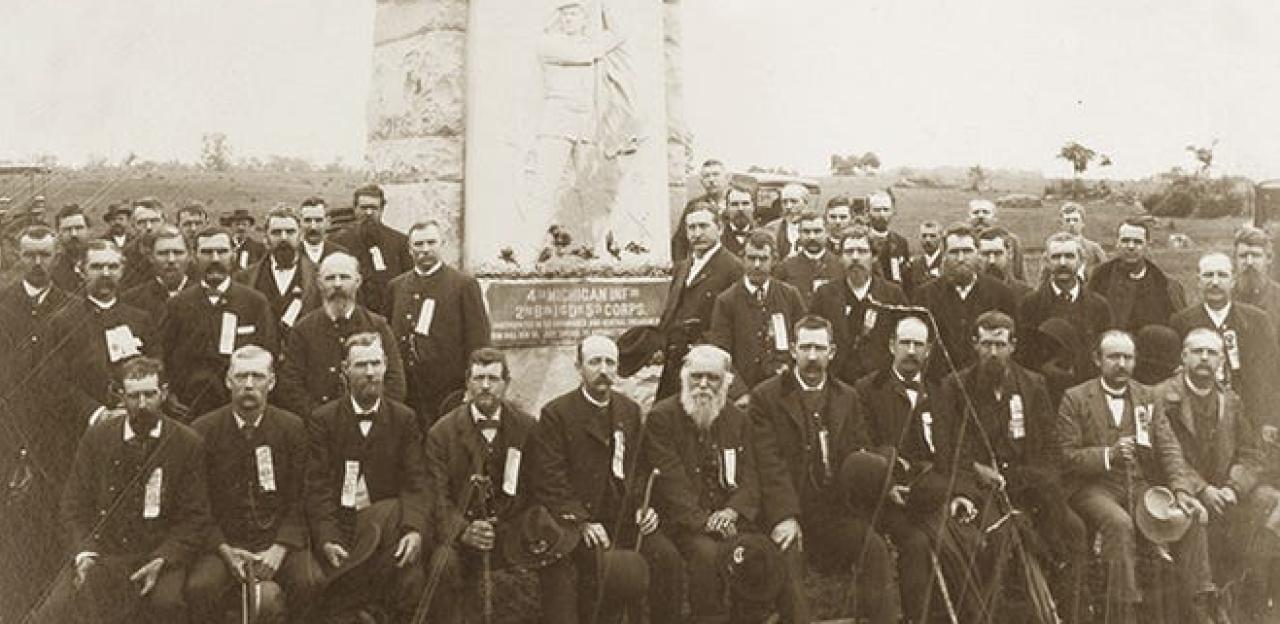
[(456, 450), (30, 406), (248, 253), (137, 263), (82, 370), (782, 237), (686, 315), (955, 317), (103, 504), (1229, 454), (64, 274), (1259, 357), (744, 328), (1089, 315), (391, 461), (1085, 430), (311, 369), (783, 447), (976, 434), (259, 276), (807, 275), (190, 332), (862, 328), (893, 249), (151, 296), (573, 447), (245, 515), (394, 249), (921, 271), (891, 421), (734, 241), (1136, 304), (690, 488)]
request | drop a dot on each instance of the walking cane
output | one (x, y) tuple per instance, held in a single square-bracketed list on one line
[(483, 487), (644, 505), (250, 594)]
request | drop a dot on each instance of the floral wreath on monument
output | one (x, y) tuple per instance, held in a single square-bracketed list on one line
[(561, 258)]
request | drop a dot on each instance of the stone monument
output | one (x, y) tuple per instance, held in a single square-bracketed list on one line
[(547, 137)]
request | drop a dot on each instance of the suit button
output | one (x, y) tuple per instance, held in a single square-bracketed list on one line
[(101, 512), (324, 399), (333, 369), (417, 296), (35, 339)]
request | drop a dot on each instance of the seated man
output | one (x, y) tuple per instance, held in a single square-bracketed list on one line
[(367, 479), (474, 454)]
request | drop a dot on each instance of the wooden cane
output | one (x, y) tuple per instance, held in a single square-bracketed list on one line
[(644, 505)]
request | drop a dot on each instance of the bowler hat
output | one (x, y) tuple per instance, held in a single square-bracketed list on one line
[(624, 575), (635, 347), (536, 539), (239, 214), (115, 209), (1159, 516), (865, 478)]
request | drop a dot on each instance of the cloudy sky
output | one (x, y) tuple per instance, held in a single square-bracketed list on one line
[(921, 82)]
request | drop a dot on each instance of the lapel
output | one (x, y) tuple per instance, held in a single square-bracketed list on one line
[(1184, 408), (791, 401), (594, 426), (678, 277), (1099, 411), (706, 269)]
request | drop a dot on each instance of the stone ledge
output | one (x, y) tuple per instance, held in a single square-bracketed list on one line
[(401, 19)]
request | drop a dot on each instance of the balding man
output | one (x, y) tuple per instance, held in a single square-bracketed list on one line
[(382, 251), (438, 317), (1251, 359), (205, 323), (171, 264), (794, 199), (311, 374), (982, 215)]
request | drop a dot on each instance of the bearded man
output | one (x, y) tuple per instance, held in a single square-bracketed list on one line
[(288, 283), (383, 252), (739, 220), (73, 230), (1253, 258), (146, 218), (171, 265), (814, 266)]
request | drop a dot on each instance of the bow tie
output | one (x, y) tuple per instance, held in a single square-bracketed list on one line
[(911, 384), (1119, 396), (365, 416), (487, 424)]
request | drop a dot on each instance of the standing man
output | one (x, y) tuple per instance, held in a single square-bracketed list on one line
[(854, 307), (588, 472), (837, 216), (367, 468), (804, 426), (1140, 293), (311, 373), (474, 456), (958, 297), (739, 221), (695, 284), (205, 323), (316, 245), (383, 252), (73, 231), (1248, 337), (245, 249), (751, 318), (1063, 297), (1254, 286), (794, 199), (982, 215), (715, 186), (117, 220), (255, 466), (994, 250), (192, 217), (1092, 255), (926, 265), (282, 276), (171, 265), (438, 317), (135, 511), (147, 217), (1107, 431), (814, 265), (892, 250)]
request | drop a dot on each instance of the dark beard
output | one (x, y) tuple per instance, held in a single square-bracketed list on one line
[(285, 254), (1250, 281), (995, 271), (989, 375)]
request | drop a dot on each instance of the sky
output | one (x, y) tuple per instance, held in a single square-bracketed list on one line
[(1001, 83)]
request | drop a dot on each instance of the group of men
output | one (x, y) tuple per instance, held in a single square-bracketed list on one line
[(324, 427)]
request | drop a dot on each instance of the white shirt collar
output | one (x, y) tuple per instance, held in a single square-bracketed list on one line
[(154, 435), (592, 400), (697, 264), (477, 415), (1111, 392), (1219, 317), (240, 422), (36, 293), (751, 288), (313, 251), (1074, 292), (355, 407), (899, 376), (220, 288), (804, 386), (120, 240), (815, 257), (1142, 272), (933, 257), (429, 272), (345, 317), (860, 292), (967, 289), (182, 285), (102, 305)]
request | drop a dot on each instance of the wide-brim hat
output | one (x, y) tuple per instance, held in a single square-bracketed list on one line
[(375, 525), (635, 347), (1159, 516), (536, 539), (1061, 333), (624, 575), (239, 214), (755, 571), (865, 477)]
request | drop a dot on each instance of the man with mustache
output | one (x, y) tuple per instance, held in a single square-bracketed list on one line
[(804, 425), (994, 250), (1216, 462), (316, 245), (135, 510), (288, 282), (982, 215), (1249, 341), (739, 220), (367, 469), (1063, 296), (147, 217), (715, 186), (1108, 435), (117, 220), (695, 283), (854, 307), (255, 465), (708, 491), (995, 422), (814, 265), (28, 437), (73, 231), (245, 250), (485, 437), (1071, 215), (751, 319), (439, 317), (1254, 286), (957, 298), (192, 217), (926, 265), (586, 469), (891, 248), (311, 373), (382, 251), (205, 323), (1139, 292), (794, 199), (171, 264), (836, 217)]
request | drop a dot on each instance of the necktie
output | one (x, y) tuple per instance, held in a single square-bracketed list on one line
[(487, 424), (760, 295), (250, 431), (365, 417)]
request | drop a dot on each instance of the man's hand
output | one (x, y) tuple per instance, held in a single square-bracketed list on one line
[(1122, 450), (334, 553), (83, 565), (786, 533), (647, 520), (408, 549), (963, 509), (147, 575), (593, 535), (269, 562), (743, 401), (478, 535), (657, 358), (1192, 507), (1217, 499), (989, 476), (898, 494), (1270, 433), (238, 560), (723, 522)]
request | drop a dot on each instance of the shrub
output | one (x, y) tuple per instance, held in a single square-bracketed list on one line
[(1196, 196)]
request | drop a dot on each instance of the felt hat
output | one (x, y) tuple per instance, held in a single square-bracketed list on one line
[(536, 539), (865, 478), (124, 208), (239, 214), (376, 525), (624, 575), (635, 347), (755, 575), (1159, 516)]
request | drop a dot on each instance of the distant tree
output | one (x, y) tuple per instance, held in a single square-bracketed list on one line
[(869, 163), (215, 152), (978, 178), (1204, 155), (1104, 161), (1078, 155), (844, 165), (129, 159)]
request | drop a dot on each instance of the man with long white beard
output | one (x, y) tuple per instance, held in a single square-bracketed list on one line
[(311, 374), (204, 324), (288, 283), (1254, 286), (804, 425), (709, 492), (171, 264)]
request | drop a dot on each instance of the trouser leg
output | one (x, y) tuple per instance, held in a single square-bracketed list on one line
[(701, 554), (206, 590), (850, 544), (1099, 506), (915, 566), (665, 578)]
